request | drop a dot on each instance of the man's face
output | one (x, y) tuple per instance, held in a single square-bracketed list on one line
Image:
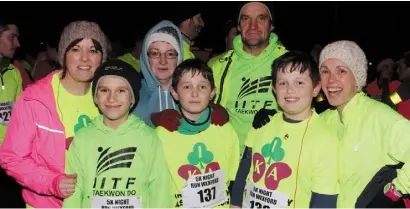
[(9, 42), (402, 70), (254, 24), (196, 24)]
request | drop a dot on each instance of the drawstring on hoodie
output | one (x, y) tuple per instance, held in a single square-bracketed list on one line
[(2, 82), (166, 99), (159, 96)]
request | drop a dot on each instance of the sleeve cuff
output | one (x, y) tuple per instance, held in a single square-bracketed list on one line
[(399, 186), (55, 185)]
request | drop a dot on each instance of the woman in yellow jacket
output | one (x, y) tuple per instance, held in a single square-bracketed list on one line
[(374, 143)]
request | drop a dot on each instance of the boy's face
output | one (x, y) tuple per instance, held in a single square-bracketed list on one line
[(114, 98), (193, 93), (294, 92)]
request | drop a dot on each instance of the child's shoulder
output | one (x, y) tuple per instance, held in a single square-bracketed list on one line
[(225, 127), (321, 129), (275, 120), (86, 131), (141, 128)]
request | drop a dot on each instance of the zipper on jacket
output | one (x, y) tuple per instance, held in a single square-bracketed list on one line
[(221, 85), (1, 77)]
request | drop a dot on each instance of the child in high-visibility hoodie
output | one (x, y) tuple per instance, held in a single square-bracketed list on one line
[(202, 157), (118, 159), (291, 162)]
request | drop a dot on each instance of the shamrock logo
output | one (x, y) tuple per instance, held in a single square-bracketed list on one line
[(199, 155), (277, 171), (274, 150), (83, 121)]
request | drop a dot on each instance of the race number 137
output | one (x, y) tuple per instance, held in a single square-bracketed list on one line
[(207, 194)]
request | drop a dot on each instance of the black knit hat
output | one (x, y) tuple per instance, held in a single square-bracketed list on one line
[(122, 69), (185, 10)]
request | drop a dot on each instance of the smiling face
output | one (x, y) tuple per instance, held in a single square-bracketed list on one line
[(114, 99), (294, 91), (338, 82), (193, 92), (82, 60)]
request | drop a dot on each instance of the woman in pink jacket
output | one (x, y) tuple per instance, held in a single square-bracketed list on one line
[(48, 113)]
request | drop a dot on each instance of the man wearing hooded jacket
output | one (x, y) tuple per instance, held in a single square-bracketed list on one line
[(190, 23), (243, 75)]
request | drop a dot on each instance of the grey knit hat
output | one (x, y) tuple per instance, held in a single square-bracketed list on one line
[(81, 29), (352, 55)]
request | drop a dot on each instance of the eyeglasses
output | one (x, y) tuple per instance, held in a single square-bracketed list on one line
[(171, 54)]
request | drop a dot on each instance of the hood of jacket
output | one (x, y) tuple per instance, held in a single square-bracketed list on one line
[(153, 98), (42, 91), (131, 123), (238, 48)]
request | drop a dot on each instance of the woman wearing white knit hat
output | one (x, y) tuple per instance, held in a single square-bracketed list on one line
[(373, 141)]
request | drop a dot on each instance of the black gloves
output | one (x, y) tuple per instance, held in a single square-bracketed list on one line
[(262, 117)]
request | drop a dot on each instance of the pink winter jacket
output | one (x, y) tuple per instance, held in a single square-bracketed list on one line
[(33, 151)]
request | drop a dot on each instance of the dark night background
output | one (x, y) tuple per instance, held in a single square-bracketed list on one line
[(380, 28)]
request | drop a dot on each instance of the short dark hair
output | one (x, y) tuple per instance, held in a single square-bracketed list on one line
[(298, 61), (196, 66), (406, 59), (5, 26)]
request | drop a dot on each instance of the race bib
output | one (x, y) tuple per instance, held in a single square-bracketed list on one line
[(5, 112), (204, 190), (259, 197), (116, 202)]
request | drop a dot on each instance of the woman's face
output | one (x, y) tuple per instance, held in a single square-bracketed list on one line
[(163, 60), (82, 60), (338, 82)]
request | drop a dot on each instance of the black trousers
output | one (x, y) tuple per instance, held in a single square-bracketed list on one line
[(10, 192)]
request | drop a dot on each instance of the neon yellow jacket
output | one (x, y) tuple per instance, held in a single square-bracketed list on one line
[(124, 163), (219, 143), (215, 59), (245, 87), (371, 136), (130, 59), (295, 159), (11, 88), (187, 51)]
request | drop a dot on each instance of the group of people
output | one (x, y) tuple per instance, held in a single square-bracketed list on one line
[(168, 130)]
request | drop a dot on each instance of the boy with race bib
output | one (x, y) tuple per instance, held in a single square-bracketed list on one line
[(292, 160), (202, 157), (118, 158)]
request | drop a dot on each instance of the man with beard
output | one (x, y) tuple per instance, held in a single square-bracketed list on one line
[(11, 83), (190, 23), (11, 87), (243, 75)]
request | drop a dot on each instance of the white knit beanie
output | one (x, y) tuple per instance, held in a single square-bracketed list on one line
[(352, 55)]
